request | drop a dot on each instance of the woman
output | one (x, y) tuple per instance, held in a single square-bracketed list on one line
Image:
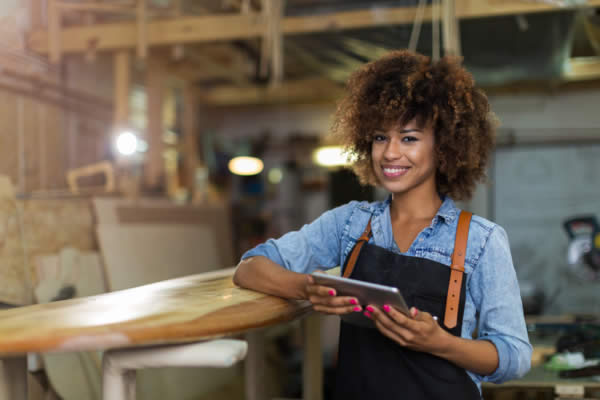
[(424, 132)]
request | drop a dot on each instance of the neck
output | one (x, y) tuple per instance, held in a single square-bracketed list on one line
[(421, 203)]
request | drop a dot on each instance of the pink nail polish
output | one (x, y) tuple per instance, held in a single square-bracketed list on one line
[(353, 302), (370, 308), (357, 309), (414, 312), (386, 308), (331, 293), (367, 314)]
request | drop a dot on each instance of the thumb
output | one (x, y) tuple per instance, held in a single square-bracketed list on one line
[(418, 315)]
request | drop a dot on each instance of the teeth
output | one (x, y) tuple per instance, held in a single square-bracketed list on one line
[(393, 170)]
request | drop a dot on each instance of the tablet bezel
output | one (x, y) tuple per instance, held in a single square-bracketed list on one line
[(366, 292)]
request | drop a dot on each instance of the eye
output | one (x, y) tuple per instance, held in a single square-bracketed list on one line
[(409, 139), (378, 137)]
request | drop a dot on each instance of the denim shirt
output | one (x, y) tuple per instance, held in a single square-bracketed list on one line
[(493, 302)]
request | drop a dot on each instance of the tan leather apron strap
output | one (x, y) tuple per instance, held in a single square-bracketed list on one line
[(457, 269), (364, 238)]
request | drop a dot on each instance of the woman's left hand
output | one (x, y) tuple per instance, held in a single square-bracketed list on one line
[(419, 331)]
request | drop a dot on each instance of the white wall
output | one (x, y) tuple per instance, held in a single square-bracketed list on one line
[(538, 117)]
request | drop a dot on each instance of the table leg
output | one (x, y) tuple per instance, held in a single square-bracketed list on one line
[(313, 359), (254, 367), (13, 379)]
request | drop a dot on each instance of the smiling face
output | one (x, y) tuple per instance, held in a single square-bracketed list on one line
[(403, 158)]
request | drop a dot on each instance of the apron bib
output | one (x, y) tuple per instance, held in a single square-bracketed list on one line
[(372, 366)]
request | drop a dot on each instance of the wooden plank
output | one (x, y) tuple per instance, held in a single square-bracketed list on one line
[(54, 37), (255, 366), (190, 132), (216, 217), (122, 82), (95, 6), (35, 14), (582, 69), (138, 254), (14, 278), (312, 371), (305, 90), (14, 372), (190, 309), (142, 30), (245, 26), (155, 96)]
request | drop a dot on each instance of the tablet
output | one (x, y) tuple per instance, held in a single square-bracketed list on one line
[(366, 293)]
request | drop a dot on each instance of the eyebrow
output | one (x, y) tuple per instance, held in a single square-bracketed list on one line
[(412, 130)]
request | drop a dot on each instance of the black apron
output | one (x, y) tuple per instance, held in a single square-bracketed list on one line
[(371, 366)]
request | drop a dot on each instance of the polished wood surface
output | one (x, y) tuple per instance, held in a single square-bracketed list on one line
[(186, 309)]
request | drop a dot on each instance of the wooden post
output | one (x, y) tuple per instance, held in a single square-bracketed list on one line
[(36, 20), (435, 29), (142, 28), (122, 82), (54, 45), (13, 381), (254, 366), (90, 54), (450, 28), (312, 370), (190, 137), (155, 92), (267, 40), (277, 42)]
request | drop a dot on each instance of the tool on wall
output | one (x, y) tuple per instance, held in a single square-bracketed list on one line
[(583, 254)]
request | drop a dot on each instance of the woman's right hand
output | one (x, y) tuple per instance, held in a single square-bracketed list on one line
[(326, 300)]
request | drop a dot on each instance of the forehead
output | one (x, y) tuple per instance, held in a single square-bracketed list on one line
[(399, 125)]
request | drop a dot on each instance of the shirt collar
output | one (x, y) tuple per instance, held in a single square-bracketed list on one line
[(447, 211)]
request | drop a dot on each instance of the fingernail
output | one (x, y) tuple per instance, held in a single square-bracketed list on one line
[(353, 302), (357, 309), (414, 312), (386, 308), (367, 314), (331, 293), (370, 308)]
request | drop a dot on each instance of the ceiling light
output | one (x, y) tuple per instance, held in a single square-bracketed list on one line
[(276, 175), (331, 156), (127, 143), (245, 166)]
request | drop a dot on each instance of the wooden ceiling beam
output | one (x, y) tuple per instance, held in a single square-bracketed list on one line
[(212, 28), (289, 92)]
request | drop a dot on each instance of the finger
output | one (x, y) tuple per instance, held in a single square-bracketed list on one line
[(318, 290), (410, 322), (336, 301), (422, 316), (390, 334), (336, 310), (391, 325)]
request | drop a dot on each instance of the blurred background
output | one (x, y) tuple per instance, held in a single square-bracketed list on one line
[(139, 134)]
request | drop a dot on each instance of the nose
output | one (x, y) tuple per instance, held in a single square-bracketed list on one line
[(393, 150)]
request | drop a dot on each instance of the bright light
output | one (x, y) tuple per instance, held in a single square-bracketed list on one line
[(245, 165), (330, 156), (275, 175), (127, 143)]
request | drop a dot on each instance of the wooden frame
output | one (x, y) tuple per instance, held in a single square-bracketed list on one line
[(181, 30)]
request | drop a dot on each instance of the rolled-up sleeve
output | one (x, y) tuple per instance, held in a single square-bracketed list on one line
[(314, 246), (495, 291)]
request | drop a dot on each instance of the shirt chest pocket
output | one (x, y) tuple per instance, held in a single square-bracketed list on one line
[(443, 256)]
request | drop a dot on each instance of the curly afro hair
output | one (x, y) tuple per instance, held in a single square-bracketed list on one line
[(402, 86)]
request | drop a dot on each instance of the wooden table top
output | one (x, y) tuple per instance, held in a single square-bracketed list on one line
[(185, 309)]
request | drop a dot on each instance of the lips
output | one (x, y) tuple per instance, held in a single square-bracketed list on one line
[(393, 172)]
